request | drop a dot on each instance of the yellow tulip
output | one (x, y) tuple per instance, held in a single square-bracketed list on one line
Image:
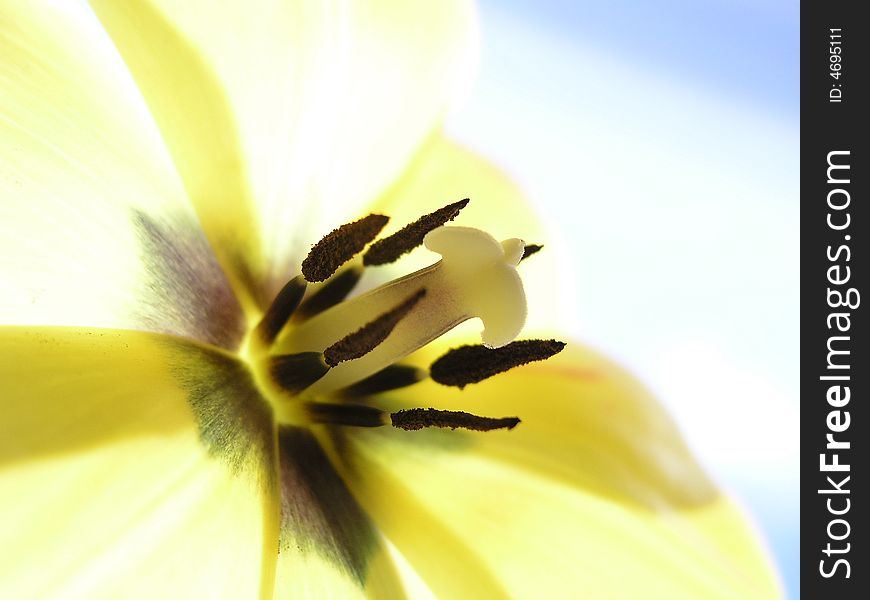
[(166, 432)]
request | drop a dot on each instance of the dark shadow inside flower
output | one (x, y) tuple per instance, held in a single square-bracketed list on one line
[(185, 291), (235, 421), (318, 512)]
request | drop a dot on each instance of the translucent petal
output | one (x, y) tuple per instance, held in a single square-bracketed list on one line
[(286, 117), (593, 492), (131, 465), (95, 228)]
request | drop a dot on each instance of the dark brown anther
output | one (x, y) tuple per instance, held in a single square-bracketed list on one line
[(409, 237), (418, 418), (330, 293), (470, 364), (529, 250), (340, 245), (281, 309), (295, 372), (355, 415), (369, 336), (391, 378)]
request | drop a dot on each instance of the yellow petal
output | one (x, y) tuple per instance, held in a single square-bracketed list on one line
[(293, 114), (593, 493), (95, 229), (444, 172), (131, 465), (621, 443)]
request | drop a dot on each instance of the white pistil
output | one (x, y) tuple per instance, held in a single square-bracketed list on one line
[(476, 277)]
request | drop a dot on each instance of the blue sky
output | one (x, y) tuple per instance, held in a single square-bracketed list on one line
[(737, 47), (660, 141)]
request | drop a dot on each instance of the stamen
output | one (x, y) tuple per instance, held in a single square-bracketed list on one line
[(471, 364), (391, 378), (295, 372), (356, 415), (418, 418), (340, 245), (530, 249), (365, 339), (281, 309), (409, 237), (331, 293), (476, 277)]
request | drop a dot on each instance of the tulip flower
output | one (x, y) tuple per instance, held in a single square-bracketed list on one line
[(236, 248)]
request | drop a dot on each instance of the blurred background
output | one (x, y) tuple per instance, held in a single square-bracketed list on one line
[(660, 141)]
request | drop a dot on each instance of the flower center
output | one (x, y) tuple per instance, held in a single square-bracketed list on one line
[(314, 349)]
